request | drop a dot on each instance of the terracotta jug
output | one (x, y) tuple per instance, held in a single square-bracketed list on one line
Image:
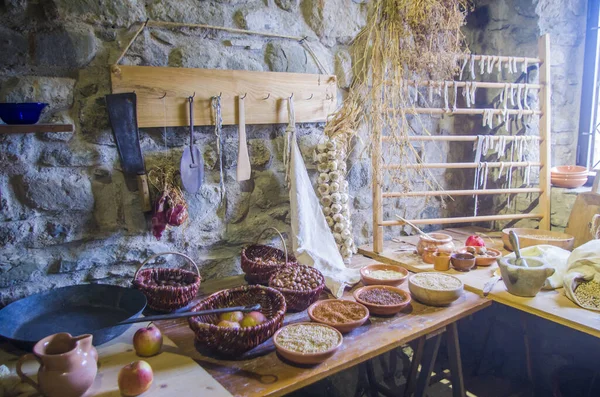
[(68, 365)]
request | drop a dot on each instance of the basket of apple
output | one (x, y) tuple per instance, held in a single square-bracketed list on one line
[(235, 333), (167, 289), (259, 262)]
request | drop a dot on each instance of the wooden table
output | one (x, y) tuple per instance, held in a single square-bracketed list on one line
[(552, 305), (264, 373)]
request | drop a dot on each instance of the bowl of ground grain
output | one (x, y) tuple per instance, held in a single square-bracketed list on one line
[(307, 343), (381, 274), (529, 237), (435, 289), (382, 300), (342, 315)]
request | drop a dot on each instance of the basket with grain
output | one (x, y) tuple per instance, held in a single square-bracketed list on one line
[(259, 262), (236, 341), (167, 289)]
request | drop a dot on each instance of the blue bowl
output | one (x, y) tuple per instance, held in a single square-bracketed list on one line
[(21, 113)]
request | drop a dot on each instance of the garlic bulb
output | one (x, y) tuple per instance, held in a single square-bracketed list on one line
[(331, 145), (343, 185), (334, 176), (347, 234), (322, 157), (323, 167), (326, 201), (336, 208), (329, 221), (342, 166), (324, 189), (332, 165), (338, 238), (334, 187), (336, 198), (331, 155), (338, 218), (322, 147), (343, 197), (339, 228), (323, 177), (327, 211), (346, 252)]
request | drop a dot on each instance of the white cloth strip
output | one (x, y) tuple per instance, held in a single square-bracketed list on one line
[(472, 67), (462, 68), (455, 97)]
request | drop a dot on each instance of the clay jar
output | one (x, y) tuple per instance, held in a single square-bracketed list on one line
[(428, 253), (438, 241), (441, 261), (68, 365)]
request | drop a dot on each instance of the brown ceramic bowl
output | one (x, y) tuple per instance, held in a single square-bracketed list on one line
[(368, 279), (481, 260), (306, 358), (569, 170), (568, 183), (383, 310), (345, 326), (462, 262), (432, 296), (529, 237)]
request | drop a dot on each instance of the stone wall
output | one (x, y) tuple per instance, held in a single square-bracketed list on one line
[(66, 215)]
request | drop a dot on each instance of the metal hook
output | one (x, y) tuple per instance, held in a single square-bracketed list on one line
[(291, 96), (311, 97), (193, 96), (220, 93), (268, 96), (162, 97), (245, 94)]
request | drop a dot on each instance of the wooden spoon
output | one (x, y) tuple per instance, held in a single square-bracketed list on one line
[(244, 169), (422, 233)]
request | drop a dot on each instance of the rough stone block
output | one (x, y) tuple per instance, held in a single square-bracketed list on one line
[(190, 11), (259, 152), (56, 191), (114, 13), (334, 19), (13, 47), (271, 19), (343, 68), (65, 49), (56, 91), (288, 57), (288, 5)]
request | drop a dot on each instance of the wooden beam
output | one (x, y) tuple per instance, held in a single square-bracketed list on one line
[(32, 128), (461, 192), (465, 219), (545, 129), (266, 93)]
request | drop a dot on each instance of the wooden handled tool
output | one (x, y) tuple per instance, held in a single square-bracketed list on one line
[(243, 161)]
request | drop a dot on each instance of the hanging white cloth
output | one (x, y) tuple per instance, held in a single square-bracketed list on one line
[(313, 241)]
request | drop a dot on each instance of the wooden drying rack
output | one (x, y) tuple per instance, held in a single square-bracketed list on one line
[(544, 142)]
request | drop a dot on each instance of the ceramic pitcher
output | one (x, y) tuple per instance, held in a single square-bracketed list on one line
[(68, 365)]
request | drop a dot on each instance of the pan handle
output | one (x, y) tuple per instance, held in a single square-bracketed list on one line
[(166, 253), (173, 316), (24, 377)]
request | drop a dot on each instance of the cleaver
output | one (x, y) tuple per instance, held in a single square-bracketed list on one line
[(122, 114)]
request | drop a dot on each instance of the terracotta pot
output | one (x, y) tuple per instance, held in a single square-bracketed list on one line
[(68, 365), (439, 241)]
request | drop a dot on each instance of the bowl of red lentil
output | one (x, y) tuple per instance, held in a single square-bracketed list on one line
[(343, 315), (307, 343), (383, 300), (381, 274)]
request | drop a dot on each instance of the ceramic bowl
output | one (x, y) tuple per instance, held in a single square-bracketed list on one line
[(568, 183), (529, 237), (342, 327), (434, 297), (569, 170), (21, 113), (383, 310), (462, 261), (368, 279), (306, 358), (481, 260)]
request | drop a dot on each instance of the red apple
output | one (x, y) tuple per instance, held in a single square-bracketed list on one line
[(253, 318), (232, 316), (229, 324), (135, 378), (475, 241), (147, 341)]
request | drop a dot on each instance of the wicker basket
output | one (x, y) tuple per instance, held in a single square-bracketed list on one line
[(236, 341), (260, 273), (297, 301), (167, 298)]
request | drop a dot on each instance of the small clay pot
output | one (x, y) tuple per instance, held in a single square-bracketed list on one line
[(428, 254), (441, 261), (440, 241), (462, 262)]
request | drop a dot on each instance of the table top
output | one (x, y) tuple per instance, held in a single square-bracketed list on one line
[(552, 305), (261, 372)]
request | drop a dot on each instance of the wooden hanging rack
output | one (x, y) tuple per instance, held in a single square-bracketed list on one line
[(543, 213)]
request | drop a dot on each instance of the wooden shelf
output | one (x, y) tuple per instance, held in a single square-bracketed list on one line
[(29, 128)]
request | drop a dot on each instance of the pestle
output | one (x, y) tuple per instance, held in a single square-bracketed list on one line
[(514, 241)]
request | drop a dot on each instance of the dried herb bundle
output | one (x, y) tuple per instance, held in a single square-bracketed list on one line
[(403, 40)]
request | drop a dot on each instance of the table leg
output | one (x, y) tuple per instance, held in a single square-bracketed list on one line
[(486, 339), (414, 366), (372, 379), (527, 349), (430, 354), (456, 373)]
